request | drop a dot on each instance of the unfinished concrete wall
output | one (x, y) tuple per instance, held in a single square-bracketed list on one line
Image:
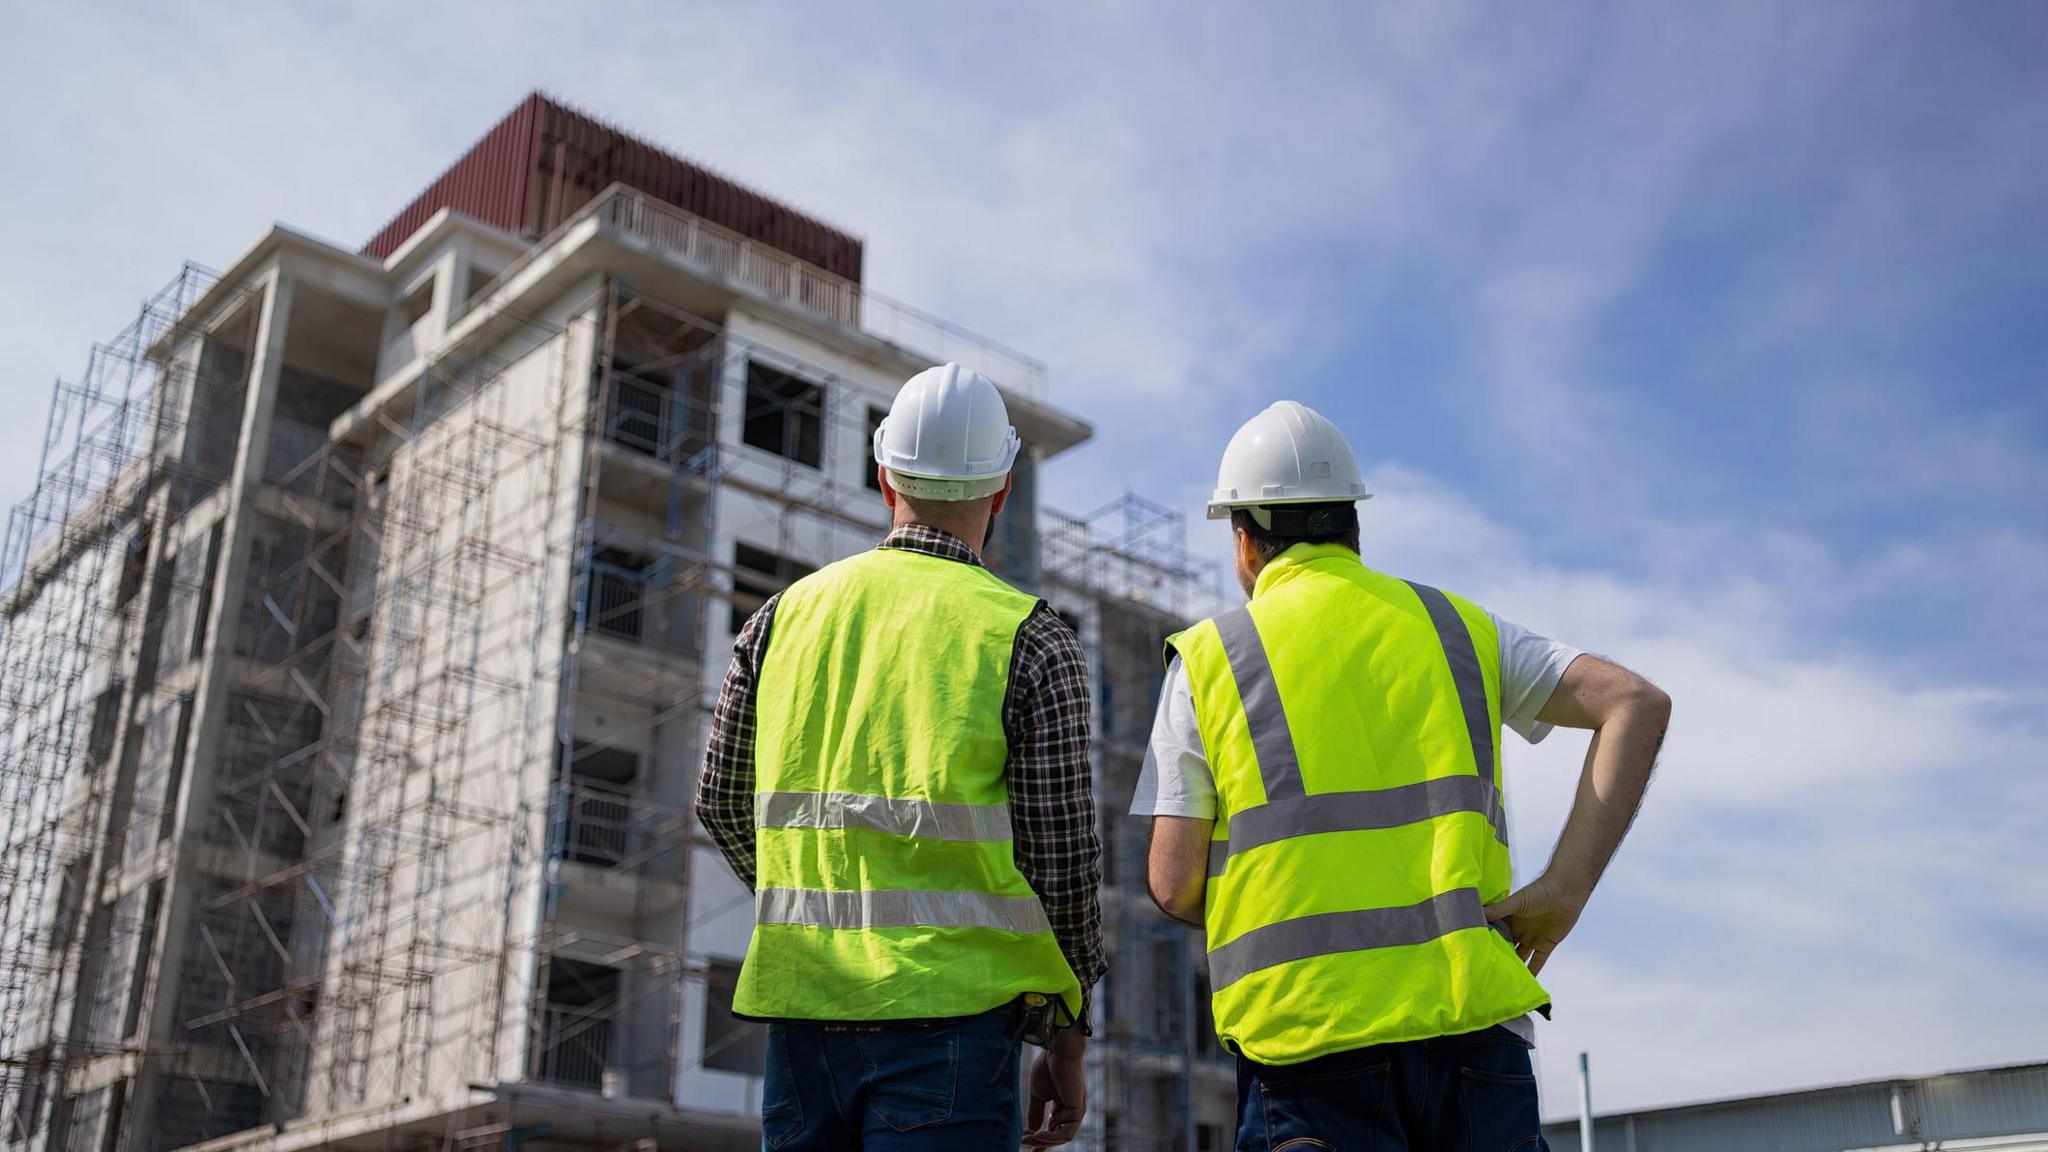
[(461, 605)]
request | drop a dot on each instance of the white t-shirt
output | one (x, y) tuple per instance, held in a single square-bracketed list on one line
[(1175, 779)]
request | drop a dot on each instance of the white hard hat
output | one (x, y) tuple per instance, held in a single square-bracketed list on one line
[(947, 437), (1288, 454)]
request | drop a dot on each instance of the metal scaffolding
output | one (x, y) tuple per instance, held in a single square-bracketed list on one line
[(128, 443), (1124, 575)]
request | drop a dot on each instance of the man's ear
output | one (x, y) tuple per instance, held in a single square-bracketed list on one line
[(888, 490), (1003, 497)]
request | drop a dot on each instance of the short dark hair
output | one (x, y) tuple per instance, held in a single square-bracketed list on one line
[(1299, 524)]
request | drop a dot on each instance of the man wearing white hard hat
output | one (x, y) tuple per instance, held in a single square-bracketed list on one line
[(898, 767), (1324, 781)]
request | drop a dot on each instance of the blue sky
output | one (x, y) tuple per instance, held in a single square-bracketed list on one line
[(1713, 337)]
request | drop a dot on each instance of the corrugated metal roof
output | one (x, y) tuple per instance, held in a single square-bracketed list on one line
[(544, 161), (1989, 1102)]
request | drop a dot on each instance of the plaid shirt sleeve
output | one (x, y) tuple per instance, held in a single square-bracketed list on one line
[(1052, 796), (725, 787)]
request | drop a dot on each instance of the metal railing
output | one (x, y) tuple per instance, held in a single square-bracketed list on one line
[(576, 1045), (783, 277), (600, 825), (640, 606), (618, 601), (657, 421), (597, 825)]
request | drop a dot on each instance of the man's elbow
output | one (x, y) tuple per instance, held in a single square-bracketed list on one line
[(1181, 901), (1651, 703)]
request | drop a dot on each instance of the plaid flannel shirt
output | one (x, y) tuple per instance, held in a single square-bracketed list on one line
[(1052, 806)]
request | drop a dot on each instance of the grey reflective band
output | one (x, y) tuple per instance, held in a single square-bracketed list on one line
[(1330, 933), (1358, 812), (898, 908), (1465, 673), (897, 816), (1272, 742)]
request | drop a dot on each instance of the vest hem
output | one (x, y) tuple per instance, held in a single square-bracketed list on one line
[(1409, 1037), (1061, 1018)]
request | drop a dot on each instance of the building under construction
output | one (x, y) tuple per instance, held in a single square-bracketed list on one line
[(359, 637)]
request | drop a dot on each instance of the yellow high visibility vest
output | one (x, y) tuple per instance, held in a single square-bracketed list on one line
[(1352, 721), (887, 880)]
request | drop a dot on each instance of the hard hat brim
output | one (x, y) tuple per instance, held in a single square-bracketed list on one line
[(1221, 506), (946, 489)]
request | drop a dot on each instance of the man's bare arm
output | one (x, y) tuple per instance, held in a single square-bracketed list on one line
[(1628, 715), (1177, 870)]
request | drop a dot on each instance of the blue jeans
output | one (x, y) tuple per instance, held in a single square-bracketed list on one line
[(950, 1085), (1470, 1093)]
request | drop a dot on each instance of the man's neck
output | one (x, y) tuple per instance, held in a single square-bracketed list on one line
[(961, 532)]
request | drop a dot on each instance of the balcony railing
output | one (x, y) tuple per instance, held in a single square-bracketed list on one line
[(782, 277), (596, 824), (657, 421), (576, 1045), (641, 606)]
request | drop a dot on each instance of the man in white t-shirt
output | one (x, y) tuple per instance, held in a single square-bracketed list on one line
[(1326, 799), (1175, 780)]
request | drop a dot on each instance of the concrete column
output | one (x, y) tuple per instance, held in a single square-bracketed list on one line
[(452, 295), (195, 799), (448, 270)]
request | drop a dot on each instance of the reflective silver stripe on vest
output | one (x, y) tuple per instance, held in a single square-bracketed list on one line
[(1272, 742), (1464, 659), (1327, 933), (897, 816), (1358, 812), (899, 908)]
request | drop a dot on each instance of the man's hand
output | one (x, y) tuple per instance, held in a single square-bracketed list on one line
[(1059, 1092), (1539, 917), (1628, 715)]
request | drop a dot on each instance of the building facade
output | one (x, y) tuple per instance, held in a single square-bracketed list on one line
[(359, 640)]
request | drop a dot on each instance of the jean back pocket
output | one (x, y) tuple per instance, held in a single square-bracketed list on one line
[(914, 1073)]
